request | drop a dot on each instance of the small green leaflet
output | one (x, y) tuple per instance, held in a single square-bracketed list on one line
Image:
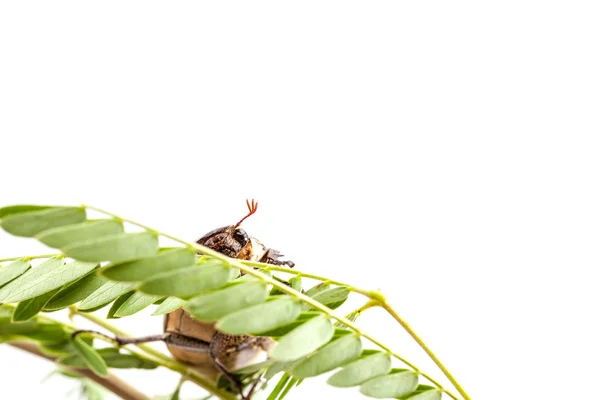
[(212, 306), (113, 359), (31, 223), (117, 304), (92, 390), (287, 328), (148, 267), (92, 359), (114, 248), (261, 317), (21, 208), (332, 298), (13, 270), (303, 340), (170, 304), (47, 333), (334, 354), (48, 276), (135, 303), (105, 294), (30, 308), (396, 384), (361, 370), (189, 281), (66, 235), (76, 291), (424, 392)]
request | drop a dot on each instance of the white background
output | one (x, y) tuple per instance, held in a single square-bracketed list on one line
[(445, 152)]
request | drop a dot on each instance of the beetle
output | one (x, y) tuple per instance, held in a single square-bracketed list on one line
[(210, 352)]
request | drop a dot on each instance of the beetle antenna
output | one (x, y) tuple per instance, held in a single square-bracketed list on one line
[(252, 207)]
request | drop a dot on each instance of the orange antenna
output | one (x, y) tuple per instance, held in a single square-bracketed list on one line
[(252, 207)]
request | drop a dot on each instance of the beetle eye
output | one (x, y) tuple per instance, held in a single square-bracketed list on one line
[(241, 236)]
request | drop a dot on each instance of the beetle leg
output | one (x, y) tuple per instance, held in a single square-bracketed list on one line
[(272, 256), (122, 341)]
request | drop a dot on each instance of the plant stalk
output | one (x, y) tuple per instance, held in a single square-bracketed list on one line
[(111, 382)]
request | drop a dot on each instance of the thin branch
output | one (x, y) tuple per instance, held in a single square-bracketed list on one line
[(111, 382)]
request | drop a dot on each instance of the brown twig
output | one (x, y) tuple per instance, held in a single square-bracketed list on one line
[(111, 382)]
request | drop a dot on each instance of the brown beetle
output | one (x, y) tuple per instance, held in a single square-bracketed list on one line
[(214, 353)]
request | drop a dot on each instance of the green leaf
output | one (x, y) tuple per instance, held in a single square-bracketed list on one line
[(287, 328), (303, 340), (321, 287), (361, 370), (4, 211), (13, 270), (296, 283), (170, 304), (396, 384), (66, 235), (189, 281), (424, 392), (31, 223), (331, 356), (212, 306), (261, 317), (332, 298), (92, 390), (75, 292), (283, 381), (30, 308), (47, 333), (113, 359), (92, 359), (114, 248), (105, 294), (18, 328), (117, 304), (290, 383), (148, 267), (47, 276), (137, 302), (277, 367)]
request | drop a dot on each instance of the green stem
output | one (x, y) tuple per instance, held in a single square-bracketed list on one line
[(377, 299), (385, 305), (31, 257), (286, 289)]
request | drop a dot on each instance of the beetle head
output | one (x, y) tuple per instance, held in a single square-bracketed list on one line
[(234, 242), (231, 240)]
